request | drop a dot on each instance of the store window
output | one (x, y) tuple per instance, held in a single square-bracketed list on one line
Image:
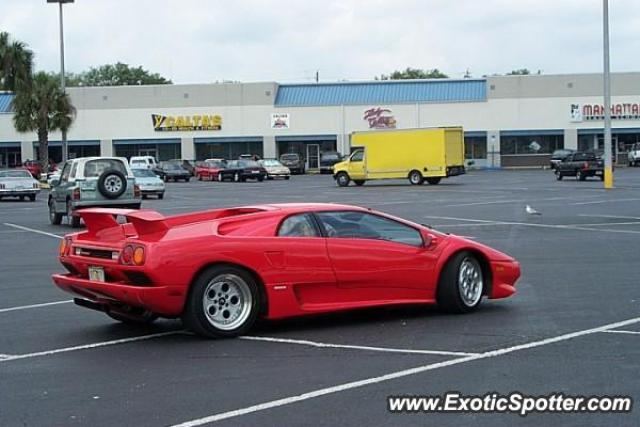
[(475, 147), (300, 147), (160, 152), (530, 144), (227, 150)]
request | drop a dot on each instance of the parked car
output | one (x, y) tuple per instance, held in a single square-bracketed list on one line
[(149, 183), (275, 169), (294, 161), (142, 162), (242, 170), (581, 165), (249, 157), (558, 155), (18, 183), (89, 182), (172, 171), (633, 156), (328, 159), (275, 261), (187, 164), (209, 169), (35, 169)]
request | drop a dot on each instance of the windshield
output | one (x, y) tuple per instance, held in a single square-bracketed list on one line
[(214, 164), (171, 166), (94, 168), (15, 174), (330, 156), (271, 163), (248, 164), (143, 173), (289, 157)]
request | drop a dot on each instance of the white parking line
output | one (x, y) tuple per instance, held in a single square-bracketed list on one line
[(356, 347), (623, 332), (4, 356), (610, 216), (25, 307), (398, 374), (33, 230), (605, 201), (87, 346)]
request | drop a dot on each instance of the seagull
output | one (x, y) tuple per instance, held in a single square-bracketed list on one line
[(531, 211)]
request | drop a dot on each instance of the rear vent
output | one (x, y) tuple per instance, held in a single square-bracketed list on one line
[(137, 279), (96, 253)]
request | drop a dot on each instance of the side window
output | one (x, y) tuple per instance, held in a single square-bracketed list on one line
[(73, 170), (362, 225), (300, 225), (357, 156), (64, 175)]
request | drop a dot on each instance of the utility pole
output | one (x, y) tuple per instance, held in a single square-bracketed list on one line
[(608, 164), (317, 76)]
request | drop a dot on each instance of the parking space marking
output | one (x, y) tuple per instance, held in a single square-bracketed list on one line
[(536, 225), (26, 307), (596, 202), (88, 346), (619, 331), (399, 374), (5, 356), (356, 347), (610, 216), (33, 230)]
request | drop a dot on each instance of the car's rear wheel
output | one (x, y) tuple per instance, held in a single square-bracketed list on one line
[(415, 177), (74, 220), (558, 174), (131, 315), (54, 217), (224, 301), (161, 196), (261, 178), (287, 177), (342, 179), (461, 284), (434, 180), (32, 197), (580, 176)]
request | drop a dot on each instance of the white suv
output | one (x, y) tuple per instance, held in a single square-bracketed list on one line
[(633, 155), (142, 162)]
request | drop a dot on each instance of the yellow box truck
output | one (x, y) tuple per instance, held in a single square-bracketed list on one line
[(416, 154)]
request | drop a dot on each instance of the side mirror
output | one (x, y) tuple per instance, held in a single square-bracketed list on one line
[(429, 240), (54, 182)]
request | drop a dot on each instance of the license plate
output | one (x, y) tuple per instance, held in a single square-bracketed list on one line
[(96, 274), (255, 171)]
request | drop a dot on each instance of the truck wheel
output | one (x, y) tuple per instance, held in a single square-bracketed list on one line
[(580, 176), (54, 218), (359, 182), (558, 174), (434, 181), (461, 284), (415, 177), (342, 179)]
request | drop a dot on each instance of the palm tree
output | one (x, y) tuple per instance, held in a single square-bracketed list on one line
[(16, 62), (42, 107)]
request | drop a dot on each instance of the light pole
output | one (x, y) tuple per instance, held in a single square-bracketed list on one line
[(65, 149), (608, 165)]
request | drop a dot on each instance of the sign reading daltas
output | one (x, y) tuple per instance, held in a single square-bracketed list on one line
[(185, 123)]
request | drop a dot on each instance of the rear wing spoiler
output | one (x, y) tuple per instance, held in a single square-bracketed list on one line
[(143, 221)]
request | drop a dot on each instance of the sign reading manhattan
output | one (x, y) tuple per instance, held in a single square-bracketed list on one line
[(178, 123), (619, 111)]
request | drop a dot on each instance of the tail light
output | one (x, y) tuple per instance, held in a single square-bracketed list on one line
[(65, 246), (76, 194), (136, 191), (132, 255)]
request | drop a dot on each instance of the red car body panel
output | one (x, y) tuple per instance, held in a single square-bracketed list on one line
[(300, 275), (206, 172)]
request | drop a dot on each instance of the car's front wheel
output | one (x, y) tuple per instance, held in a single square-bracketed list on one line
[(342, 179), (224, 301), (461, 284), (558, 174)]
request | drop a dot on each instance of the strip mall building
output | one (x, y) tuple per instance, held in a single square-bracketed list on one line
[(508, 120)]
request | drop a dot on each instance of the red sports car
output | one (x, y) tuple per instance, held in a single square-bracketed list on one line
[(222, 269)]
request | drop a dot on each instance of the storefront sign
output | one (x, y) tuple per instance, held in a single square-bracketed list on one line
[(186, 123), (279, 120), (380, 118), (591, 112)]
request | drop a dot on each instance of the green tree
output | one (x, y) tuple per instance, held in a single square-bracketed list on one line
[(16, 62), (413, 73), (520, 72), (42, 107), (118, 74)]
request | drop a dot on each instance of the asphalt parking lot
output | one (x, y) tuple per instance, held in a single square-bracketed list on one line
[(573, 327)]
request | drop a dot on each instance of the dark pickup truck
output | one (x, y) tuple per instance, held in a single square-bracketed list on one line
[(581, 165)]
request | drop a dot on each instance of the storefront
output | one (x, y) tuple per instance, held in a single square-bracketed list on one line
[(310, 147), (10, 155), (75, 148), (160, 149), (227, 147), (475, 148), (529, 147)]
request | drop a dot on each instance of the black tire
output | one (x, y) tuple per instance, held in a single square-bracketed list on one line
[(54, 218), (175, 179), (197, 319), (144, 196), (342, 179), (448, 293), (434, 180), (131, 315), (187, 179), (359, 182), (580, 176), (261, 178), (23, 198), (287, 177), (558, 174), (161, 196), (74, 220), (112, 183), (32, 197), (415, 177)]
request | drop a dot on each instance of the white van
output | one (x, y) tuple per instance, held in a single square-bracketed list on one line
[(142, 162)]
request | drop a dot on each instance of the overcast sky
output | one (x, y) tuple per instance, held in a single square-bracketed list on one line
[(197, 41)]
